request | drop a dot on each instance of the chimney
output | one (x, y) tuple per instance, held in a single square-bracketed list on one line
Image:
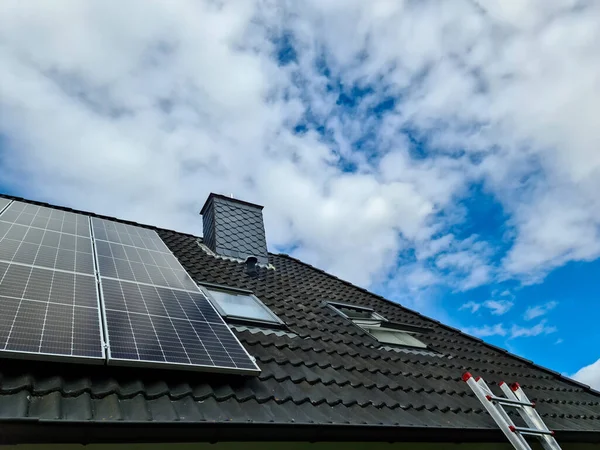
[(234, 228)]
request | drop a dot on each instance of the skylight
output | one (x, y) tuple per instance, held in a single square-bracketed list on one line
[(379, 327), (236, 305), (356, 313)]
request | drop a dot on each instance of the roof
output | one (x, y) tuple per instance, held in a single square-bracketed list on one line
[(322, 379)]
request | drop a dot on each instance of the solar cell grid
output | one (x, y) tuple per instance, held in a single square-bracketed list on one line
[(119, 233), (141, 265), (48, 312), (45, 237), (153, 310), (45, 248), (155, 313), (153, 324), (46, 218)]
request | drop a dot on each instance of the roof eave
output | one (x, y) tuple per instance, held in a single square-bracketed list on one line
[(87, 432)]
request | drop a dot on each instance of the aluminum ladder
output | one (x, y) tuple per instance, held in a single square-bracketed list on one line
[(515, 398)]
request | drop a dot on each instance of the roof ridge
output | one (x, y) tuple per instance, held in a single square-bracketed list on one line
[(93, 214)]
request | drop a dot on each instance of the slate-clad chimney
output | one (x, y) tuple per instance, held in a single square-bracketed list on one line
[(234, 228)]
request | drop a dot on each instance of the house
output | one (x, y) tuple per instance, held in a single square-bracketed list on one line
[(336, 363)]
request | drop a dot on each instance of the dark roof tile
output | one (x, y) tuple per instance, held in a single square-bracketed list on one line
[(14, 406), (46, 406), (107, 408), (77, 408), (161, 409), (135, 409)]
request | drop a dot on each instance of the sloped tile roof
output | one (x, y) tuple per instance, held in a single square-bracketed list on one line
[(325, 373)]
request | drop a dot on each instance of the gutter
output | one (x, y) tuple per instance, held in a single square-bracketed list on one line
[(20, 431)]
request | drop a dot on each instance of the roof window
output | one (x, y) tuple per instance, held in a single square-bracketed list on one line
[(379, 327), (240, 306)]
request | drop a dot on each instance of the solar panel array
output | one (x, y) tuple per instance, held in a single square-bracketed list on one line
[(48, 292), (154, 311)]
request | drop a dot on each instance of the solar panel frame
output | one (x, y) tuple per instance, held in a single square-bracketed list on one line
[(4, 203), (78, 310), (111, 360)]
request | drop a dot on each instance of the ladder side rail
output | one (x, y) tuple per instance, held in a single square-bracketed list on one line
[(502, 412), (480, 389), (530, 415)]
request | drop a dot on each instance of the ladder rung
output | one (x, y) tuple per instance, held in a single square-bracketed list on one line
[(508, 401), (532, 431)]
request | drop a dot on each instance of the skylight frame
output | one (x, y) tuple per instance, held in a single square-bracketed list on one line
[(375, 317), (276, 322), (372, 330), (378, 323)]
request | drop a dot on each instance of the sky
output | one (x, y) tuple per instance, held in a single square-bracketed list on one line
[(443, 154)]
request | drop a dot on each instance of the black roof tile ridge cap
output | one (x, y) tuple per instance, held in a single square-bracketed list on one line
[(437, 322), (92, 214)]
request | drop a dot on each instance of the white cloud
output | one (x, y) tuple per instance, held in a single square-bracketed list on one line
[(498, 307), (488, 330), (141, 119), (589, 375), (533, 312), (512, 332), (472, 306), (539, 329)]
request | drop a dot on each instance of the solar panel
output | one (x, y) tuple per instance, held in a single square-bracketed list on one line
[(46, 218), (154, 312), (48, 313), (120, 233), (36, 240), (149, 323), (48, 291), (141, 265)]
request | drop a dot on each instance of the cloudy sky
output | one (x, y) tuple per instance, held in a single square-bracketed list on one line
[(444, 154)]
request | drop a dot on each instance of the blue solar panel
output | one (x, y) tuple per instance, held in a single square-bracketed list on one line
[(154, 312), (48, 291), (48, 313), (141, 265), (151, 309), (107, 230)]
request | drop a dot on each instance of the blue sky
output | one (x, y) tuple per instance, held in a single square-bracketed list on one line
[(444, 155)]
